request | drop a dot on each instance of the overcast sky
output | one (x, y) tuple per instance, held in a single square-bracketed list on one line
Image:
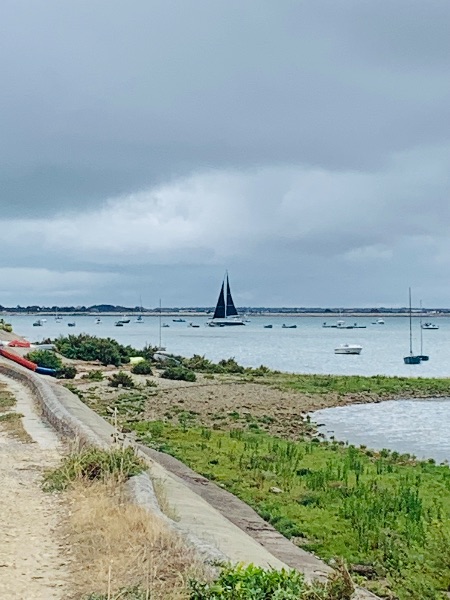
[(147, 146)]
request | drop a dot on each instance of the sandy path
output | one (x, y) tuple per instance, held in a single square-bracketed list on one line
[(32, 563)]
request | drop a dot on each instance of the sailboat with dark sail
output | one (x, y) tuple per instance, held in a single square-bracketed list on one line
[(225, 313)]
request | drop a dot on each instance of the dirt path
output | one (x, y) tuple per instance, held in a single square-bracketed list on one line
[(32, 562)]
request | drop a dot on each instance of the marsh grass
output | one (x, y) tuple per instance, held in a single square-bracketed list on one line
[(382, 510), (11, 422), (93, 464)]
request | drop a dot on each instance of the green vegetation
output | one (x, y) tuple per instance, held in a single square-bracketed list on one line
[(92, 464), (94, 375), (255, 583), (382, 511), (179, 373), (239, 582), (121, 379), (204, 365), (142, 368), (45, 358), (378, 385), (49, 360), (89, 347)]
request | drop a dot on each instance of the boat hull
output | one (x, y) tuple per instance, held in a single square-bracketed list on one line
[(348, 349), (412, 360), (225, 323)]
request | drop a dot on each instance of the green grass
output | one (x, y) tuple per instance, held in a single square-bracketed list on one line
[(378, 385), (382, 510), (92, 464)]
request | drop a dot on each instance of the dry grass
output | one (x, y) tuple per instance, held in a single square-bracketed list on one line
[(118, 545), (7, 400), (11, 423)]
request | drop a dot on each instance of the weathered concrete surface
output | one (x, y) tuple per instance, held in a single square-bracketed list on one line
[(242, 537)]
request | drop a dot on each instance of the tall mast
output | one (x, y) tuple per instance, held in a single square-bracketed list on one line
[(160, 345), (410, 324), (421, 332)]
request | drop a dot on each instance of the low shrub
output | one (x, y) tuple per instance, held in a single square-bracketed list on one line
[(142, 368), (45, 358), (94, 375), (255, 583), (121, 379), (93, 464), (179, 373), (66, 372)]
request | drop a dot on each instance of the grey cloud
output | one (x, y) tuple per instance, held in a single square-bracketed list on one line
[(100, 99)]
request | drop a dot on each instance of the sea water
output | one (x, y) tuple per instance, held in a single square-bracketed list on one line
[(307, 349), (416, 427)]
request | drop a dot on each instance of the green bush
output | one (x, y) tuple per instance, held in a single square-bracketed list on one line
[(89, 347), (94, 375), (179, 373), (66, 372), (45, 358), (121, 379), (92, 464), (142, 368), (255, 583)]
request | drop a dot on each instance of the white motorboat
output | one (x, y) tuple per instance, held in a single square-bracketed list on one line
[(378, 322), (225, 313), (429, 326), (348, 349)]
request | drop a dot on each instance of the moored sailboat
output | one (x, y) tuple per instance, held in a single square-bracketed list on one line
[(225, 313), (411, 359)]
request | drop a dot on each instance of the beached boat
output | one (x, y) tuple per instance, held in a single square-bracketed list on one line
[(348, 349), (411, 359), (225, 313)]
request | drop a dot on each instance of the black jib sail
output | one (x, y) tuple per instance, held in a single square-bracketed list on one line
[(219, 313)]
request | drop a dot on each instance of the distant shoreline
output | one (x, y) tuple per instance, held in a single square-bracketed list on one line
[(325, 316)]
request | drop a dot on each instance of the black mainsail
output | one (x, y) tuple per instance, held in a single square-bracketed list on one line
[(230, 308)]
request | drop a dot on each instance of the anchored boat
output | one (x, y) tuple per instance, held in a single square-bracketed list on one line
[(225, 313)]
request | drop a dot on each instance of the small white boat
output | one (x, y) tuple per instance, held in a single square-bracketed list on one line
[(429, 326), (378, 322), (348, 349), (39, 323)]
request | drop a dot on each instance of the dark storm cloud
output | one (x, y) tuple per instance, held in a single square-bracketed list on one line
[(99, 99)]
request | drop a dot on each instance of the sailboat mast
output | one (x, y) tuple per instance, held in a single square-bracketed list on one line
[(410, 324), (160, 345), (421, 332)]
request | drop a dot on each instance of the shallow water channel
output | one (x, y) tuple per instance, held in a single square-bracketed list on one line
[(418, 427)]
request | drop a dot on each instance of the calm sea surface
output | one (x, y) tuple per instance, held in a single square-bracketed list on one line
[(307, 349), (417, 427)]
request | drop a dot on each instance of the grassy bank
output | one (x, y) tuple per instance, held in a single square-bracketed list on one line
[(384, 513)]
